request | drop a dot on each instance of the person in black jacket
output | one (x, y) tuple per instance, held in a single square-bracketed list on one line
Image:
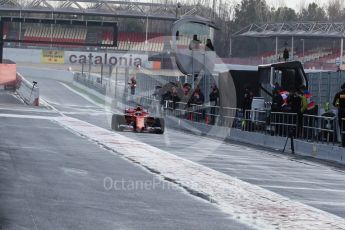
[(214, 101), (277, 101), (197, 97), (339, 102), (295, 104), (276, 109), (247, 99), (174, 97), (209, 45)]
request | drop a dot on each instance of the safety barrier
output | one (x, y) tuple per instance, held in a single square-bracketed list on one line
[(28, 91)]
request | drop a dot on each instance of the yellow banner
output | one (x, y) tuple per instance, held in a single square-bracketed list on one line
[(53, 56)]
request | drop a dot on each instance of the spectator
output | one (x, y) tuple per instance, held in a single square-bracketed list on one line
[(156, 93), (247, 105), (277, 101), (277, 87), (186, 88), (209, 45), (165, 98), (132, 85), (214, 95), (276, 108), (286, 54), (195, 43), (339, 102), (310, 105), (174, 97), (247, 99), (297, 104), (197, 97), (214, 100)]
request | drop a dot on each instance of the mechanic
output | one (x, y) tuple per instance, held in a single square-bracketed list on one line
[(339, 102)]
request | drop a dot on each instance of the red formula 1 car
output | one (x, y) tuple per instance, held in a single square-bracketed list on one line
[(137, 120)]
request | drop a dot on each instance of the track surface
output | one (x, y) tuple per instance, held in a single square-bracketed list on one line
[(51, 178), (54, 179), (310, 182)]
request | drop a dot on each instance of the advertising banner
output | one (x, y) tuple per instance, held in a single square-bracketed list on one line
[(99, 58), (53, 57)]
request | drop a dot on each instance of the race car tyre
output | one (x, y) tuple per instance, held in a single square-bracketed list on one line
[(116, 121), (159, 122)]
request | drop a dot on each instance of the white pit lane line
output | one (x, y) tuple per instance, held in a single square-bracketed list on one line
[(244, 202)]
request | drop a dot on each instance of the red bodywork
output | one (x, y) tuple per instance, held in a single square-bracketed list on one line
[(137, 117), (137, 120)]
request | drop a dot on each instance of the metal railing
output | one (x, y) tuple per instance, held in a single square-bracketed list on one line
[(284, 124), (319, 129)]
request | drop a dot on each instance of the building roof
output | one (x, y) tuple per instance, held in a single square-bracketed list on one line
[(294, 29)]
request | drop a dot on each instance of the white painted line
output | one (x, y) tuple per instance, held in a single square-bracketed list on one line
[(272, 181), (27, 116), (244, 202), (328, 190), (86, 97), (24, 109)]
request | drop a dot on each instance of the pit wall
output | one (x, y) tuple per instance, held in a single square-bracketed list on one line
[(320, 151)]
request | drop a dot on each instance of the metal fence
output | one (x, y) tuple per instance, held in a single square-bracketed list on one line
[(324, 86)]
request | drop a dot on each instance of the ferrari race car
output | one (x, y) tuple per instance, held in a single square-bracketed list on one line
[(137, 120)]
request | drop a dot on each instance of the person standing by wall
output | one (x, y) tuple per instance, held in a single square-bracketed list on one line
[(246, 107), (133, 85), (276, 109), (286, 54), (209, 45), (295, 105), (194, 43), (339, 102), (214, 102), (175, 97), (247, 99)]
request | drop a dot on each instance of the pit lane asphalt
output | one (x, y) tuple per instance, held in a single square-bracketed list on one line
[(310, 182), (51, 178)]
